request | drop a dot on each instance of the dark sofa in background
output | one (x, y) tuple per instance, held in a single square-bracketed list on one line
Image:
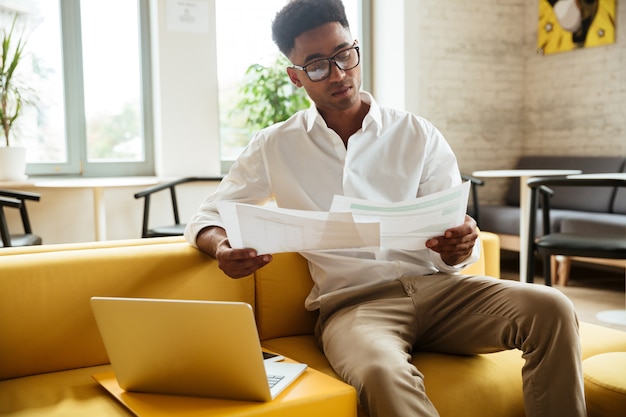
[(573, 209)]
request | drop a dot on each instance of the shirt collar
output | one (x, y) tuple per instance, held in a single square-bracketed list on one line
[(372, 116)]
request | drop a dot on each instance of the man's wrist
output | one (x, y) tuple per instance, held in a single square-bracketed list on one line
[(210, 238)]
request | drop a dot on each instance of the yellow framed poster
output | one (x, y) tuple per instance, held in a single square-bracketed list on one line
[(565, 25)]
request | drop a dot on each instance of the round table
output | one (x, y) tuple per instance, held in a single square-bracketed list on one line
[(97, 185), (524, 175)]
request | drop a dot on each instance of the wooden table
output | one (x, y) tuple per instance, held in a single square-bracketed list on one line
[(97, 185), (524, 175)]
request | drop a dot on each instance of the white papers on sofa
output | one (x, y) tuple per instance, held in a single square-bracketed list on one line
[(351, 223)]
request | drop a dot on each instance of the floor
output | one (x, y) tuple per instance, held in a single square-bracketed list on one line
[(592, 288)]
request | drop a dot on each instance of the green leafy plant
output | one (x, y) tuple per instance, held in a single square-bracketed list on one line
[(268, 96), (13, 93)]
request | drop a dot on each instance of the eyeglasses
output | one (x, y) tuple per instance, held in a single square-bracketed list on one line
[(320, 69)]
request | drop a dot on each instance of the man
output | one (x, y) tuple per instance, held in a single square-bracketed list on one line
[(376, 308)]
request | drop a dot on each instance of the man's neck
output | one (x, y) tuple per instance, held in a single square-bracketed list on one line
[(346, 123)]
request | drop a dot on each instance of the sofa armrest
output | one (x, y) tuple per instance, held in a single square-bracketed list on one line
[(489, 262), (280, 290)]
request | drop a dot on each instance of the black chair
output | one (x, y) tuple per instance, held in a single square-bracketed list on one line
[(17, 200), (567, 244), (473, 209), (177, 228)]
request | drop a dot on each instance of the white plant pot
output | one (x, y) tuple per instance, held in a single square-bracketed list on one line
[(12, 163)]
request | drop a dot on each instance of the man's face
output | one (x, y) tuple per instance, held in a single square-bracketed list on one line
[(338, 92)]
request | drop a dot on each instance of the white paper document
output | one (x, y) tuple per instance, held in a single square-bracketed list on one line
[(350, 224), (409, 224), (275, 230)]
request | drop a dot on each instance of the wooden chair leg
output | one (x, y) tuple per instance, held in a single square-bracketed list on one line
[(565, 266)]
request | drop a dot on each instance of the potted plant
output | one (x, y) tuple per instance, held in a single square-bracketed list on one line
[(13, 95), (268, 96)]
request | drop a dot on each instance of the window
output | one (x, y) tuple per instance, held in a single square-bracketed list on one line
[(91, 76), (237, 50)]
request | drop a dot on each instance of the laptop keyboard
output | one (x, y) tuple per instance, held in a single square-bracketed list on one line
[(274, 379)]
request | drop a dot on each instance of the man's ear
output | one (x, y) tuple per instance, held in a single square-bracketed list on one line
[(293, 76)]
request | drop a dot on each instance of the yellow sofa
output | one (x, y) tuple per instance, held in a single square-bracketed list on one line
[(50, 345)]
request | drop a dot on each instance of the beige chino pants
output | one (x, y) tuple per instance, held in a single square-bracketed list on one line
[(368, 336)]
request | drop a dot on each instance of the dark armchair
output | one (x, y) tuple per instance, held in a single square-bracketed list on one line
[(177, 228), (17, 200), (473, 209), (596, 245)]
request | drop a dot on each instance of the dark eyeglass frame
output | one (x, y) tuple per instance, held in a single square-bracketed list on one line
[(331, 60)]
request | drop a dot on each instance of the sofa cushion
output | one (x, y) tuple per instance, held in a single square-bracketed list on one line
[(505, 220), (596, 224), (598, 199), (66, 393), (605, 385), (76, 393)]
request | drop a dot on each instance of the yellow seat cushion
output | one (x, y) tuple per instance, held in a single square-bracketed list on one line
[(605, 384), (76, 393)]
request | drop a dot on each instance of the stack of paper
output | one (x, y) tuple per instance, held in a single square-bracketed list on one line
[(350, 223)]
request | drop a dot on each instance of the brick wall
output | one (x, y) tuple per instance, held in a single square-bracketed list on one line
[(472, 69), (575, 102)]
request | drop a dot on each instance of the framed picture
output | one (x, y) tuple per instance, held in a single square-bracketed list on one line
[(565, 25)]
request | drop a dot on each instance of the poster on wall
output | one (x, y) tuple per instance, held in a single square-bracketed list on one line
[(565, 25)]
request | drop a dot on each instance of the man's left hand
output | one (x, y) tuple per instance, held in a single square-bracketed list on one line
[(457, 242)]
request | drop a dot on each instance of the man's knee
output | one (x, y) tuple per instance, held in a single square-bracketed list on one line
[(547, 317), (550, 303)]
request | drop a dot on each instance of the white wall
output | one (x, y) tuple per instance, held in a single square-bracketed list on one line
[(387, 39), (185, 93)]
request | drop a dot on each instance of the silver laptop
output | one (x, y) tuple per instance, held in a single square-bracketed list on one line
[(182, 347)]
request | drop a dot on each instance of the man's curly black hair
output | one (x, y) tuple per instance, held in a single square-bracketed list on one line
[(299, 16)]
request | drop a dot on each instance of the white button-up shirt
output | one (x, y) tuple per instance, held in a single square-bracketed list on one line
[(302, 164)]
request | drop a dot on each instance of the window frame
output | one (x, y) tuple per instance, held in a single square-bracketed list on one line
[(77, 163)]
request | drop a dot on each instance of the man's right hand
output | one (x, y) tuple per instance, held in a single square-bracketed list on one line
[(236, 263)]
